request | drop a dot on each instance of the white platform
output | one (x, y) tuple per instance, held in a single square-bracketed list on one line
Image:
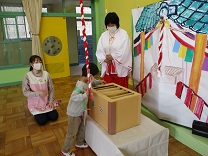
[(147, 139)]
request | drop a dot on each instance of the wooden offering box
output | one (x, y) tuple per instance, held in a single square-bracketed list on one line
[(115, 108)]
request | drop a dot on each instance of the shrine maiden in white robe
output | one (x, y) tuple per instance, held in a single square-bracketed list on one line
[(120, 50)]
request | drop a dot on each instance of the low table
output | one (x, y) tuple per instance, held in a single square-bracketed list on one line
[(147, 139)]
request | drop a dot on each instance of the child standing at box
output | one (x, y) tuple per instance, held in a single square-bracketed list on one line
[(75, 110)]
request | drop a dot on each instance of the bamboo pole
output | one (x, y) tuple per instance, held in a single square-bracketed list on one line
[(142, 61), (199, 52), (142, 55)]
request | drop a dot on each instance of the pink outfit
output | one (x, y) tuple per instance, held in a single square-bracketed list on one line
[(36, 103)]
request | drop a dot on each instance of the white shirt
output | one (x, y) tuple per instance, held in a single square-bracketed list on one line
[(120, 50)]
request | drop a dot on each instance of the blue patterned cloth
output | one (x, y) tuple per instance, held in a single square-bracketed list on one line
[(192, 14), (148, 19)]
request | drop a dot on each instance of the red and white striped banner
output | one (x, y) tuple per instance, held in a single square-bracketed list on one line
[(86, 48), (160, 49)]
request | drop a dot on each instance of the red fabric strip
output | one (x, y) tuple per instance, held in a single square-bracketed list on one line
[(199, 107), (179, 89), (188, 99), (145, 84), (150, 80), (141, 90), (113, 68)]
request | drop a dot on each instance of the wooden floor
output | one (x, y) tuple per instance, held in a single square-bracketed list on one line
[(21, 136)]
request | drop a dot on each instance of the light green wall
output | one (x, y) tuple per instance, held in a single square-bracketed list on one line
[(99, 17), (12, 76), (99, 22)]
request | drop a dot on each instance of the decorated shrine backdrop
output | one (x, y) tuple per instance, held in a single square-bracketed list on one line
[(172, 71)]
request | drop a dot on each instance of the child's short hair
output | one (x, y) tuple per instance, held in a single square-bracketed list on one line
[(93, 69)]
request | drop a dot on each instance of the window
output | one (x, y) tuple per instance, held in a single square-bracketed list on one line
[(11, 9), (88, 22), (15, 27), (15, 38), (87, 10)]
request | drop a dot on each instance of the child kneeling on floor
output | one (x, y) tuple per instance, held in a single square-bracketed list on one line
[(76, 108)]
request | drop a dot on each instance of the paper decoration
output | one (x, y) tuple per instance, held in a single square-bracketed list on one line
[(148, 43), (176, 46), (205, 64), (189, 95), (182, 51), (179, 89), (189, 55), (199, 107), (142, 86)]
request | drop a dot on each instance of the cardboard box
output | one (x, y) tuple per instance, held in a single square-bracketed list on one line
[(115, 108)]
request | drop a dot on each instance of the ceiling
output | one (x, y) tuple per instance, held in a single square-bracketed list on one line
[(76, 2), (147, 2), (44, 1)]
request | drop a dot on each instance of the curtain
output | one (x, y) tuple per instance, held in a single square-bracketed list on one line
[(33, 11)]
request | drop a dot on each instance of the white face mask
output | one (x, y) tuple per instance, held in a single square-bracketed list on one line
[(37, 66), (112, 29)]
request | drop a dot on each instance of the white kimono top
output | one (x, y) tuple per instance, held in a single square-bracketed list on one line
[(119, 47)]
